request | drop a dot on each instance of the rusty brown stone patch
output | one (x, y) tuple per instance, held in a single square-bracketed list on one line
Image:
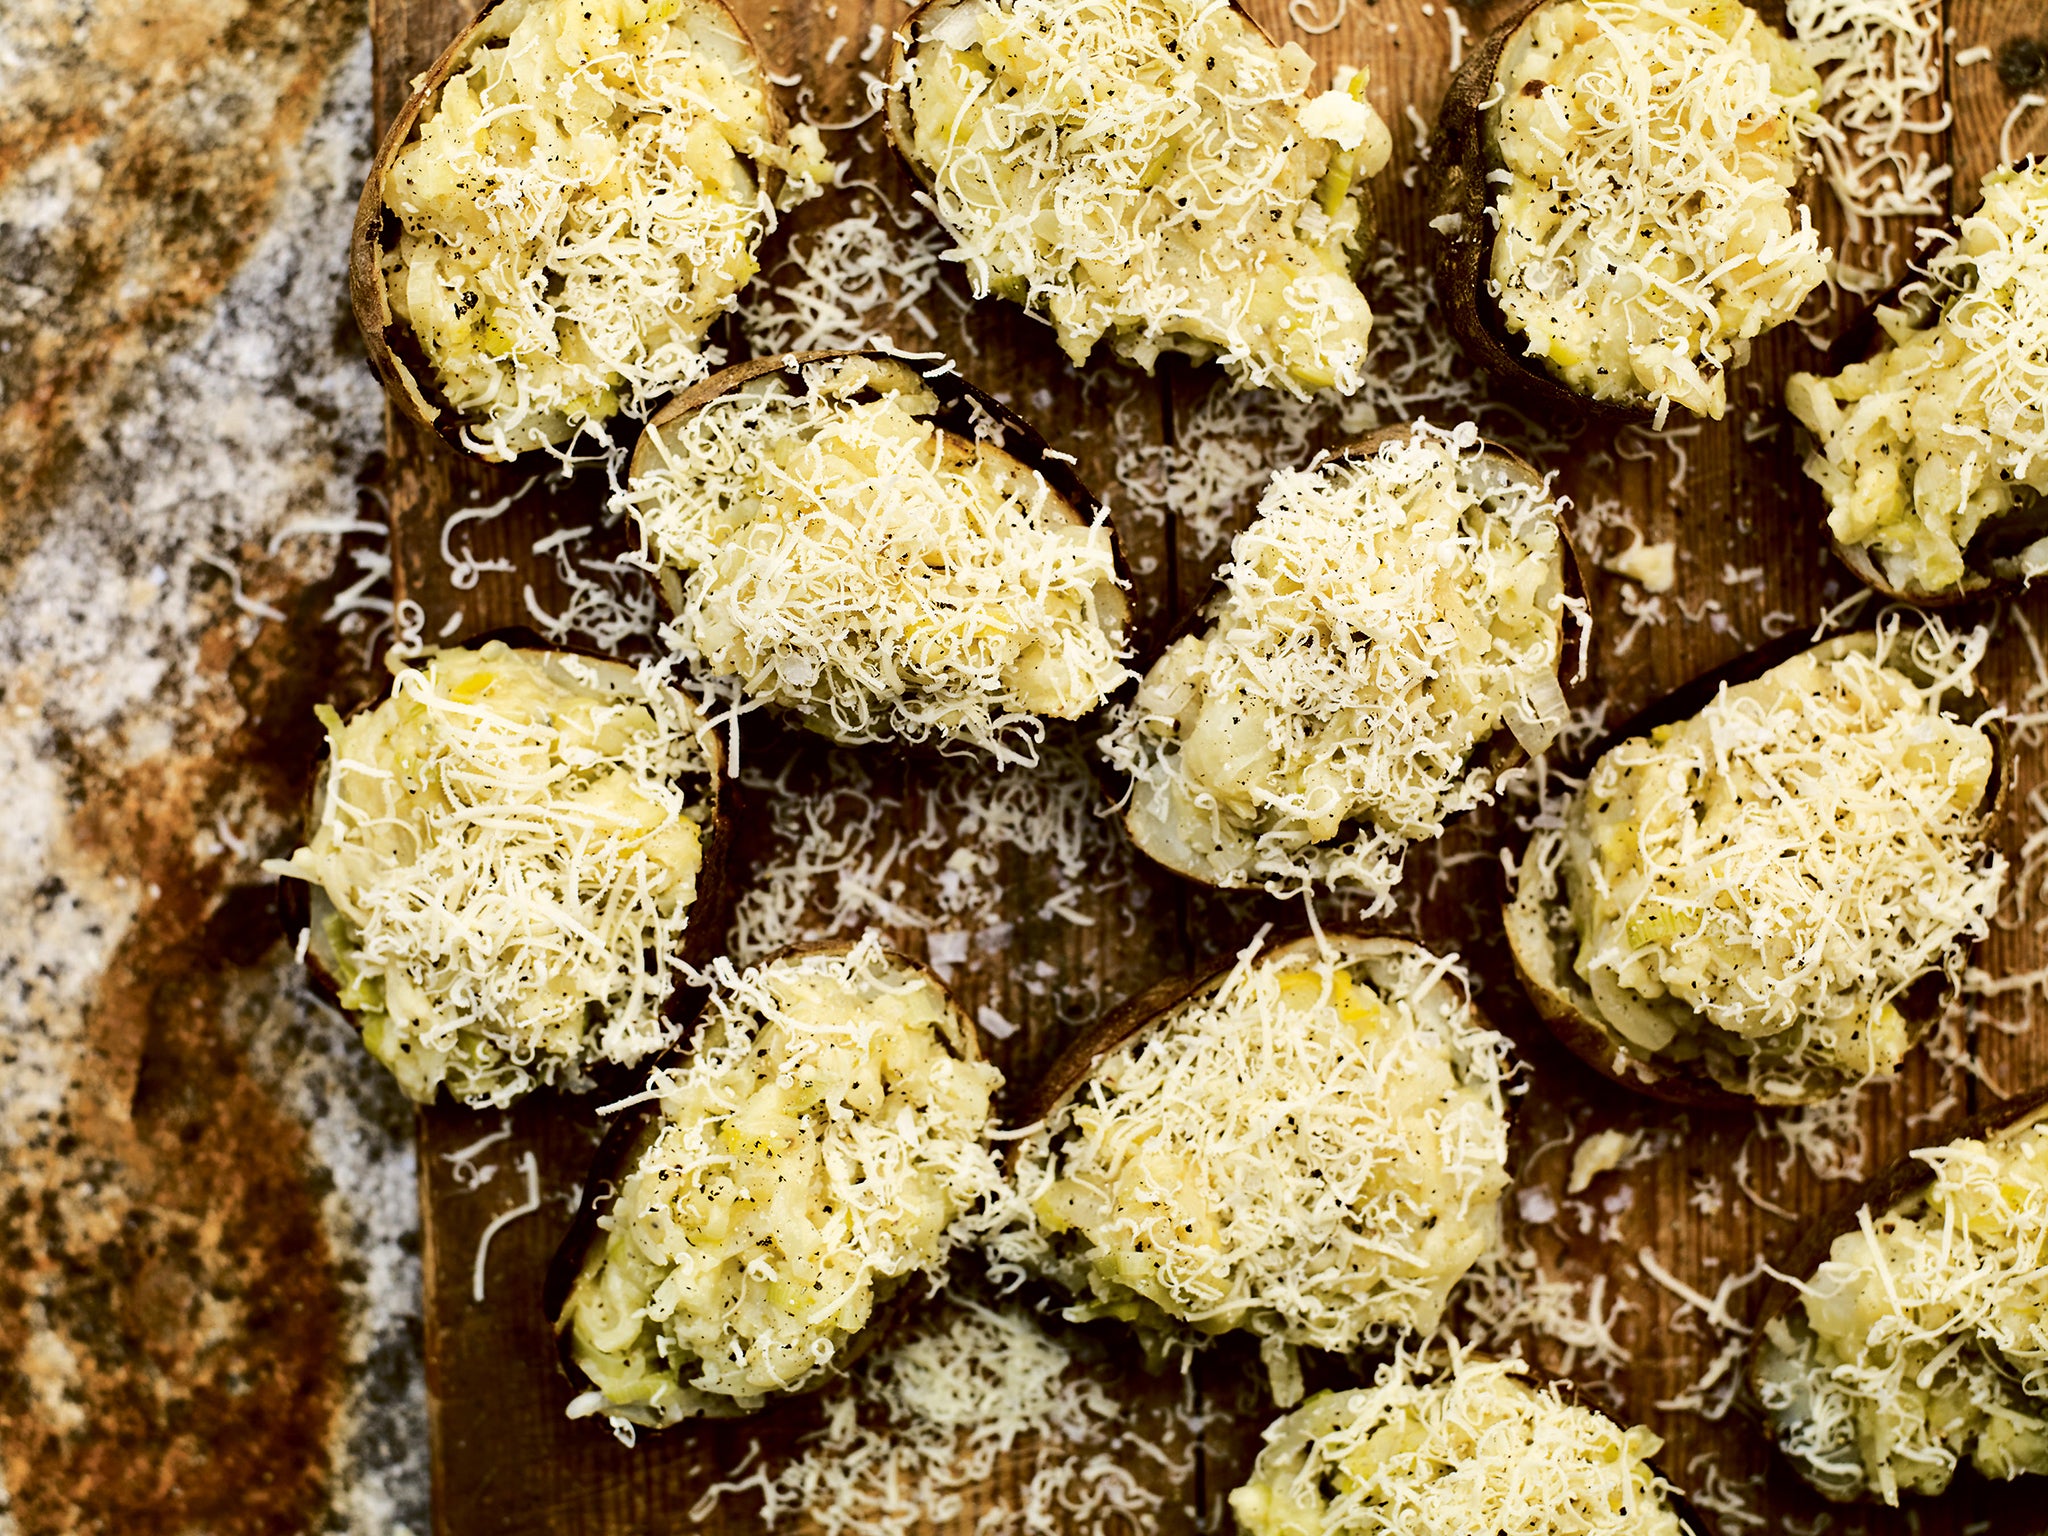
[(168, 123)]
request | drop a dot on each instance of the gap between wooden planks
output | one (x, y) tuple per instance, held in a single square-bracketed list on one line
[(505, 1460)]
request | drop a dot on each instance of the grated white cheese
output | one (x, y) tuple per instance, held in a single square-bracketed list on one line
[(859, 281), (816, 1149), (838, 856), (1880, 63), (1752, 889), (979, 1407), (1647, 233), (1152, 172), (579, 205), (1918, 1342), (1734, 1502), (1314, 1151), (1381, 618), (613, 605), (838, 552), (504, 860), (1509, 1298), (1454, 1443), (1225, 444), (1924, 450), (530, 1168)]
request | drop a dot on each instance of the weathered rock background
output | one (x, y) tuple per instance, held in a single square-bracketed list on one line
[(208, 1239)]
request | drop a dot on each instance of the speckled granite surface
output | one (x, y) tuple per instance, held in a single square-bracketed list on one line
[(208, 1235)]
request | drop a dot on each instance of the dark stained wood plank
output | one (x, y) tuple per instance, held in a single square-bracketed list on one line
[(1983, 100), (1752, 560)]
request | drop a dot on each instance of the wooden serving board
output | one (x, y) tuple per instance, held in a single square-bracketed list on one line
[(1752, 563)]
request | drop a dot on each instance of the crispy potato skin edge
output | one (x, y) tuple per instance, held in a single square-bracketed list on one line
[(1500, 751), (1894, 1186), (709, 913), (395, 353), (1021, 440), (1587, 1036), (623, 1143)]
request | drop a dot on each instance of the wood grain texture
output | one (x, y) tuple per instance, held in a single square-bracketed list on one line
[(1752, 563)]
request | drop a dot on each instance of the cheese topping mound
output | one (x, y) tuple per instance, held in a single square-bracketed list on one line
[(1933, 455), (1380, 619), (1919, 1341), (1464, 1448), (504, 863), (843, 554), (1760, 884), (1153, 171), (580, 203), (1314, 1151), (1647, 231), (814, 1151)]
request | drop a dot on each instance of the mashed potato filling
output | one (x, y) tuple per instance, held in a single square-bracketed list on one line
[(840, 553), (1456, 1449), (579, 204), (812, 1153), (1919, 1342), (1762, 882), (1942, 437), (1646, 232), (504, 863), (1153, 171), (1380, 619), (1314, 1151)]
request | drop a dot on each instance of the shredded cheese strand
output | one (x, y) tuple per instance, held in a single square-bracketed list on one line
[(1918, 1342), (839, 553), (1646, 232), (1152, 172), (1315, 1152), (1380, 618), (506, 856)]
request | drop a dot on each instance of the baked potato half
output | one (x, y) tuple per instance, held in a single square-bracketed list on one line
[(753, 1220), (570, 197), (1613, 200), (1459, 1442), (1769, 881), (883, 550), (1150, 173), (1928, 440), (1308, 1144), (507, 861), (1905, 1342), (1388, 639)]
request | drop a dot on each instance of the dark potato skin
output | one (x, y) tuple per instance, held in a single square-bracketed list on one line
[(902, 131), (1157, 1005), (1021, 440), (1462, 152), (1896, 1185), (1862, 341), (961, 407), (395, 352), (1605, 1050), (1534, 1375), (709, 913), (1499, 752), (629, 1135)]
